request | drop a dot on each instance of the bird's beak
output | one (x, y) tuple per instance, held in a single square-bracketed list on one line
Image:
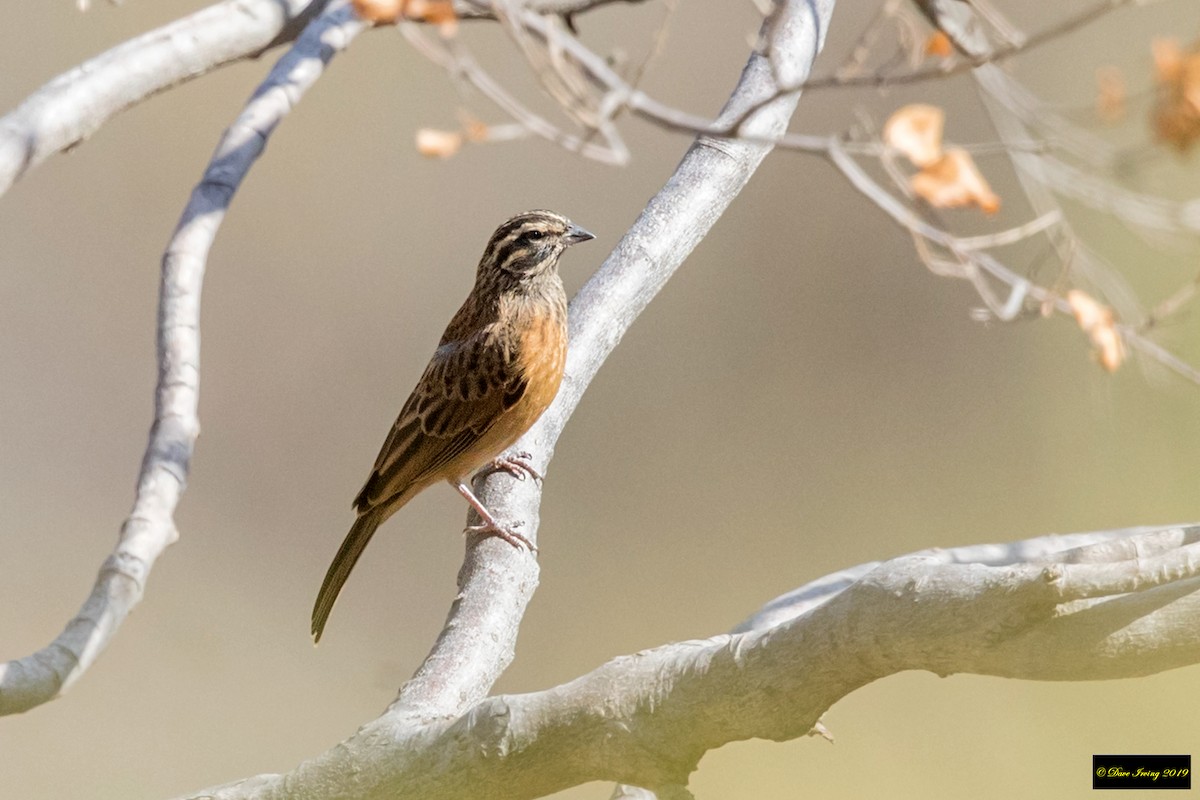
[(576, 234)]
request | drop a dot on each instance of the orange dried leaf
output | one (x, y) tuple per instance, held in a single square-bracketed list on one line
[(1098, 322), (1189, 81), (379, 12), (1111, 94), (475, 131), (1088, 311), (1176, 125), (1176, 113), (938, 45), (438, 144), (954, 182), (1168, 58), (916, 131), (1110, 348), (435, 12)]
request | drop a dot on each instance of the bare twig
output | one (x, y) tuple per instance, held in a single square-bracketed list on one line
[(73, 106), (975, 58), (1172, 305), (995, 55), (558, 75), (482, 9), (456, 59), (907, 218), (855, 62), (967, 261), (150, 528)]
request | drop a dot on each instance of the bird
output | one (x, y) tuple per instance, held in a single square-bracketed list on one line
[(498, 366)]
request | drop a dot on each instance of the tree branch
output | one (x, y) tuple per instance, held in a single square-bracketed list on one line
[(62, 114), (150, 528), (74, 105), (1043, 548), (479, 9), (673, 223), (1113, 604), (399, 751)]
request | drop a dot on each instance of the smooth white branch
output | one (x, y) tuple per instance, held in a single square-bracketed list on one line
[(1122, 605), (1038, 550), (150, 528), (74, 105)]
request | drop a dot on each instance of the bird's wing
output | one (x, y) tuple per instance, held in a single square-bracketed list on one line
[(467, 386)]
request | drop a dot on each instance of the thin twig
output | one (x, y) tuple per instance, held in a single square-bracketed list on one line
[(150, 528), (975, 259), (74, 105), (456, 59), (993, 56)]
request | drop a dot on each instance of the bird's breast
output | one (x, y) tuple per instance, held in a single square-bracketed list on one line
[(541, 358), (538, 356)]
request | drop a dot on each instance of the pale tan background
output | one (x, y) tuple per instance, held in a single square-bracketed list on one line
[(801, 398)]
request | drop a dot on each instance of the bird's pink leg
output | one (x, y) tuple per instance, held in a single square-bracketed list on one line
[(490, 526)]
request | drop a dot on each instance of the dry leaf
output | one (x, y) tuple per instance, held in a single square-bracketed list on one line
[(435, 12), (379, 12), (1168, 59), (1176, 113), (1110, 348), (1088, 312), (1111, 94), (438, 144), (916, 131), (938, 45), (388, 12), (1097, 321), (474, 130), (953, 182)]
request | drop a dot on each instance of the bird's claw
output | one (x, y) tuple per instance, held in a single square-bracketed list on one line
[(518, 465), (505, 532)]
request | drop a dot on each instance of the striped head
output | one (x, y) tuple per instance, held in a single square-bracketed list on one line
[(527, 247)]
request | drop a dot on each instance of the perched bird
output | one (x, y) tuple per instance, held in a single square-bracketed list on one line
[(498, 366)]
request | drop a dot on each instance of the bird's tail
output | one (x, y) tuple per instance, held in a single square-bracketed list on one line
[(347, 556)]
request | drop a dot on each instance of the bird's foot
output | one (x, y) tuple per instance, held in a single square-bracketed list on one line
[(518, 465), (490, 525), (506, 532)]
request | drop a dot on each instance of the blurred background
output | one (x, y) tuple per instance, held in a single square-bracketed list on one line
[(802, 397)]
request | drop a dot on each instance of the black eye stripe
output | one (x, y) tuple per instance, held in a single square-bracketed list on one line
[(520, 244)]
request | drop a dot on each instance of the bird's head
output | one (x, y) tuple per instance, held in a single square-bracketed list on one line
[(528, 245)]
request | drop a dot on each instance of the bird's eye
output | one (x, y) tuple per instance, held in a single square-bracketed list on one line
[(532, 236)]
